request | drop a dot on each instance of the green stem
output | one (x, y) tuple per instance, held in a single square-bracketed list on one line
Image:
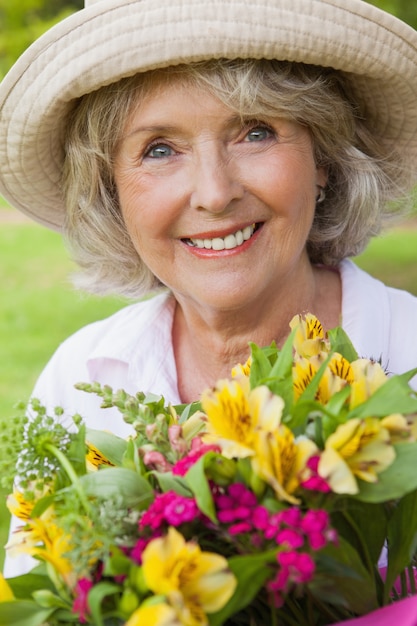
[(412, 580), (404, 584), (324, 609), (72, 475), (364, 549), (298, 614)]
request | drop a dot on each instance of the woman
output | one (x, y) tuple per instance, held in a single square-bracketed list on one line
[(235, 155)]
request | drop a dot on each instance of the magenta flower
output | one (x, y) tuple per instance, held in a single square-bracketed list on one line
[(260, 517), (169, 508), (138, 548), (80, 604), (290, 537), (198, 450), (240, 528), (180, 510), (315, 482)]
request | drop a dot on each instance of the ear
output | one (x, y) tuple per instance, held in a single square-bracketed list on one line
[(321, 177)]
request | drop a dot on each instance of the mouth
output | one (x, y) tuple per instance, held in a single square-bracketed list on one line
[(231, 241)]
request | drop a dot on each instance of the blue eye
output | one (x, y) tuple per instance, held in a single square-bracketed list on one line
[(258, 133), (159, 151)]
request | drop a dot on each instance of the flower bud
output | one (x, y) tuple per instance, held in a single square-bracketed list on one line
[(221, 470), (47, 599), (129, 602)]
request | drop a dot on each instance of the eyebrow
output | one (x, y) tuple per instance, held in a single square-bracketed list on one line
[(234, 120), (154, 129)]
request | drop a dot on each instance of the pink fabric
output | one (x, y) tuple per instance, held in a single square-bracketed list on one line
[(402, 613)]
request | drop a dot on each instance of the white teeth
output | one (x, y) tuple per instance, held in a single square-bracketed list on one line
[(227, 243)]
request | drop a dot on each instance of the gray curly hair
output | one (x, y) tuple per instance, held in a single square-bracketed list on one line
[(364, 181)]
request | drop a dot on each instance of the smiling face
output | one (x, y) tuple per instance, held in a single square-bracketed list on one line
[(218, 208)]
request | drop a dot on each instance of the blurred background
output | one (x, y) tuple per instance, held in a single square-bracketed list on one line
[(38, 307)]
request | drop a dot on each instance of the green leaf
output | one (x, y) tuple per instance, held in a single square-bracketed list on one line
[(251, 572), (23, 585), (119, 481), (132, 460), (95, 598), (198, 483), (402, 538), (260, 368), (23, 613), (394, 396), (169, 482), (111, 447), (341, 343), (394, 482), (187, 410), (364, 526), (342, 579)]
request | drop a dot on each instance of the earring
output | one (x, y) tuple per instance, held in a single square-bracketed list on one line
[(321, 195)]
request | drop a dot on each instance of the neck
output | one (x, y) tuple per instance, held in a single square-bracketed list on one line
[(209, 342)]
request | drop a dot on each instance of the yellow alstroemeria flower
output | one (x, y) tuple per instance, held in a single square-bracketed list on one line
[(234, 413), (94, 458), (399, 427), (337, 374), (19, 506), (368, 377), (310, 338), (194, 582), (194, 425), (154, 615), (6, 594), (360, 447), (42, 537), (280, 460), (242, 370)]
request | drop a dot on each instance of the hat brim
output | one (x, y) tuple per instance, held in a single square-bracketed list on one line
[(117, 38)]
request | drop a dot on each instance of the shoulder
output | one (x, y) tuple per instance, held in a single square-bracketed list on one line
[(360, 287), (106, 351), (112, 333), (380, 320)]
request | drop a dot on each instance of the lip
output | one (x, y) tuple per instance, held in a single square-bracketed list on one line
[(213, 234), (204, 252)]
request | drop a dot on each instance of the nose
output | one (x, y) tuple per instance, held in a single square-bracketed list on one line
[(215, 181)]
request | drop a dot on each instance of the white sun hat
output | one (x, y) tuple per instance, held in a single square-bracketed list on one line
[(112, 39)]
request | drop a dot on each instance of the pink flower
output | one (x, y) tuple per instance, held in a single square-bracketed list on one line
[(315, 521), (180, 510), (242, 495), (240, 528), (273, 526), (315, 482), (260, 517), (290, 537), (297, 567), (236, 504), (182, 466), (138, 548), (291, 517), (177, 441), (315, 524), (305, 568), (80, 604), (169, 508), (157, 460)]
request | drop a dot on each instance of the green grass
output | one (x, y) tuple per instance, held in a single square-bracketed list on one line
[(39, 307), (393, 258), (38, 310)]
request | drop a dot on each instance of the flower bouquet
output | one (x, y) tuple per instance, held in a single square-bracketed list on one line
[(286, 496)]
